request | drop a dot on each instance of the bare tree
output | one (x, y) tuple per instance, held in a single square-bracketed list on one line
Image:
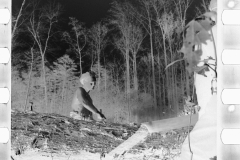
[(19, 19), (40, 26), (170, 21), (98, 42), (136, 38), (203, 7), (181, 8), (145, 17), (166, 27), (29, 79), (122, 22), (163, 26), (77, 39), (161, 78)]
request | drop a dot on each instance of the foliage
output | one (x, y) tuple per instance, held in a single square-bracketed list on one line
[(64, 67), (61, 79), (197, 33)]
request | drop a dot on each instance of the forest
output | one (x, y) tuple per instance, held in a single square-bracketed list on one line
[(135, 52)]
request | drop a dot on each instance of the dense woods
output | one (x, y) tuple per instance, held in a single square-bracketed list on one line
[(129, 50)]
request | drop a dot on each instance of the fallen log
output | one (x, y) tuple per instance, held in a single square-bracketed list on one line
[(171, 123), (151, 127), (139, 136)]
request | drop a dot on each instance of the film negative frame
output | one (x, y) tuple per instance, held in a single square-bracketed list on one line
[(228, 45), (5, 79), (228, 78)]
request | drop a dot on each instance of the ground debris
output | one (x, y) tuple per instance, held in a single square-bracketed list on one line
[(53, 135), (52, 132)]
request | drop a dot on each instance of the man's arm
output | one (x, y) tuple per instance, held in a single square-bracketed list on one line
[(86, 101)]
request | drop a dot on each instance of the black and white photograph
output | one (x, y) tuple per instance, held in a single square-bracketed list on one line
[(115, 80)]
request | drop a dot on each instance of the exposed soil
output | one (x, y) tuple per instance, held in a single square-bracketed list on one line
[(51, 136)]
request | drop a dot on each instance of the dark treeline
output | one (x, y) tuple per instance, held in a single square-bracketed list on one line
[(129, 51)]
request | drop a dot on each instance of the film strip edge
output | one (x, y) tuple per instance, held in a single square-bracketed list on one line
[(228, 79), (5, 79)]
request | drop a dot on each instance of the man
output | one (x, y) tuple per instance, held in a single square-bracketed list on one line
[(202, 142), (82, 105)]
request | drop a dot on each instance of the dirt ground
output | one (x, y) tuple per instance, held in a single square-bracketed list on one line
[(51, 136)]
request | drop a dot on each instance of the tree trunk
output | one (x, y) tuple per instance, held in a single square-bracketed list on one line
[(153, 70), (128, 81), (63, 90), (172, 98), (29, 80), (164, 94), (105, 81), (80, 62), (117, 80), (149, 86), (159, 86), (55, 96), (167, 75), (182, 84), (135, 72), (44, 81), (176, 94), (99, 72), (17, 19)]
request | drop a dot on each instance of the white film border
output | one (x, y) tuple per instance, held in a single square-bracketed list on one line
[(5, 79), (228, 79)]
